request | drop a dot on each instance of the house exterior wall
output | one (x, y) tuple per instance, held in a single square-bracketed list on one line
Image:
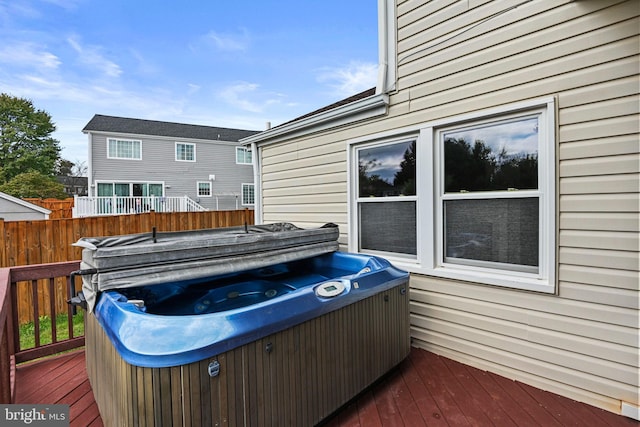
[(179, 178), (582, 340), (10, 211)]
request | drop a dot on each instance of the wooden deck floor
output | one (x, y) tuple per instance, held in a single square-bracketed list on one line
[(425, 390)]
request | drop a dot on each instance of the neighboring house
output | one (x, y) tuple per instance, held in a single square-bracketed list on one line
[(74, 185), (497, 160), (14, 209), (138, 165)]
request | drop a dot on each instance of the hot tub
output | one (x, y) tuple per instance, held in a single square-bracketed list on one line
[(286, 343)]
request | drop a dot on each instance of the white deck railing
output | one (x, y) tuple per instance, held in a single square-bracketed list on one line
[(119, 205)]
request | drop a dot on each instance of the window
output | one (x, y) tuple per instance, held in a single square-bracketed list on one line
[(488, 199), (124, 149), (243, 156), (248, 195), (129, 197), (469, 198), (386, 188), (105, 189), (204, 188), (185, 152), (129, 189)]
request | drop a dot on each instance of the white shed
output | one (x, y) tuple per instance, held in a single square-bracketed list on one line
[(14, 209)]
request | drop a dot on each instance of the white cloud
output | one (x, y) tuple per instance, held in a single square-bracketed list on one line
[(26, 54), (246, 96), (12, 9), (228, 42), (516, 137), (144, 64), (349, 80), (91, 56), (193, 88), (64, 4)]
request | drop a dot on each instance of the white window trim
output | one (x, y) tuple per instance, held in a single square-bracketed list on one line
[(185, 143), (245, 150), (429, 239), (198, 189), (359, 200), (124, 158), (242, 193)]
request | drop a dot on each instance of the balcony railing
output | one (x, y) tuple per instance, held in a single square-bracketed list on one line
[(41, 280), (119, 205)]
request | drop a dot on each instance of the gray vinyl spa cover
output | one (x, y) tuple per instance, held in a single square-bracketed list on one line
[(154, 258)]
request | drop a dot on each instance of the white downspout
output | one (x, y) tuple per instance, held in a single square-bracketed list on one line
[(386, 47), (257, 184)]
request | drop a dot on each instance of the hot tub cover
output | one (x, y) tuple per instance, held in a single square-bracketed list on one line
[(154, 258)]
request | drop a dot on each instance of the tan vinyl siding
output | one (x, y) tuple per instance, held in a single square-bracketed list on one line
[(305, 183), (584, 341), (591, 65)]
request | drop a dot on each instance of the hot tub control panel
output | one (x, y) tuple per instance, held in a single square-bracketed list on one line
[(330, 289)]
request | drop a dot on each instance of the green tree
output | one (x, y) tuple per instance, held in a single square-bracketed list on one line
[(371, 184), (477, 168), (468, 167), (64, 167), (34, 184), (25, 139), (405, 178)]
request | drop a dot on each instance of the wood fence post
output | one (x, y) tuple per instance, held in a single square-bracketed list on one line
[(4, 251)]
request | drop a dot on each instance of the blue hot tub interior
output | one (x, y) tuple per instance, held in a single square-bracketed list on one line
[(182, 322), (210, 295)]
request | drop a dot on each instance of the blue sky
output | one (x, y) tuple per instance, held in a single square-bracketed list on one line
[(235, 64)]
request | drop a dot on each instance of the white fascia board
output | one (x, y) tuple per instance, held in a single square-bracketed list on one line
[(373, 106)]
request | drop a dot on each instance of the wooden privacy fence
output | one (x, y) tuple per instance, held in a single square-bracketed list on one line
[(59, 208), (49, 241)]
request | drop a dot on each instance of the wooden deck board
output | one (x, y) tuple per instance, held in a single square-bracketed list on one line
[(424, 390), (501, 397)]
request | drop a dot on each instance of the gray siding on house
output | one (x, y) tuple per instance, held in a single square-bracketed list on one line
[(10, 211), (583, 342), (158, 164)]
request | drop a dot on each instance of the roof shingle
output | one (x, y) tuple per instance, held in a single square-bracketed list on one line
[(101, 123), (364, 94)]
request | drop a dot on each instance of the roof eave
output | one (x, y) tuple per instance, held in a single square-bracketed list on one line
[(161, 137), (366, 108)]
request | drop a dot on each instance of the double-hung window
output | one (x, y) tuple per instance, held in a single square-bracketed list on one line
[(185, 152), (124, 149), (470, 198), (488, 195), (243, 156), (386, 197)]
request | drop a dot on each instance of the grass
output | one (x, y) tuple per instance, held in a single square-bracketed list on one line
[(28, 331)]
